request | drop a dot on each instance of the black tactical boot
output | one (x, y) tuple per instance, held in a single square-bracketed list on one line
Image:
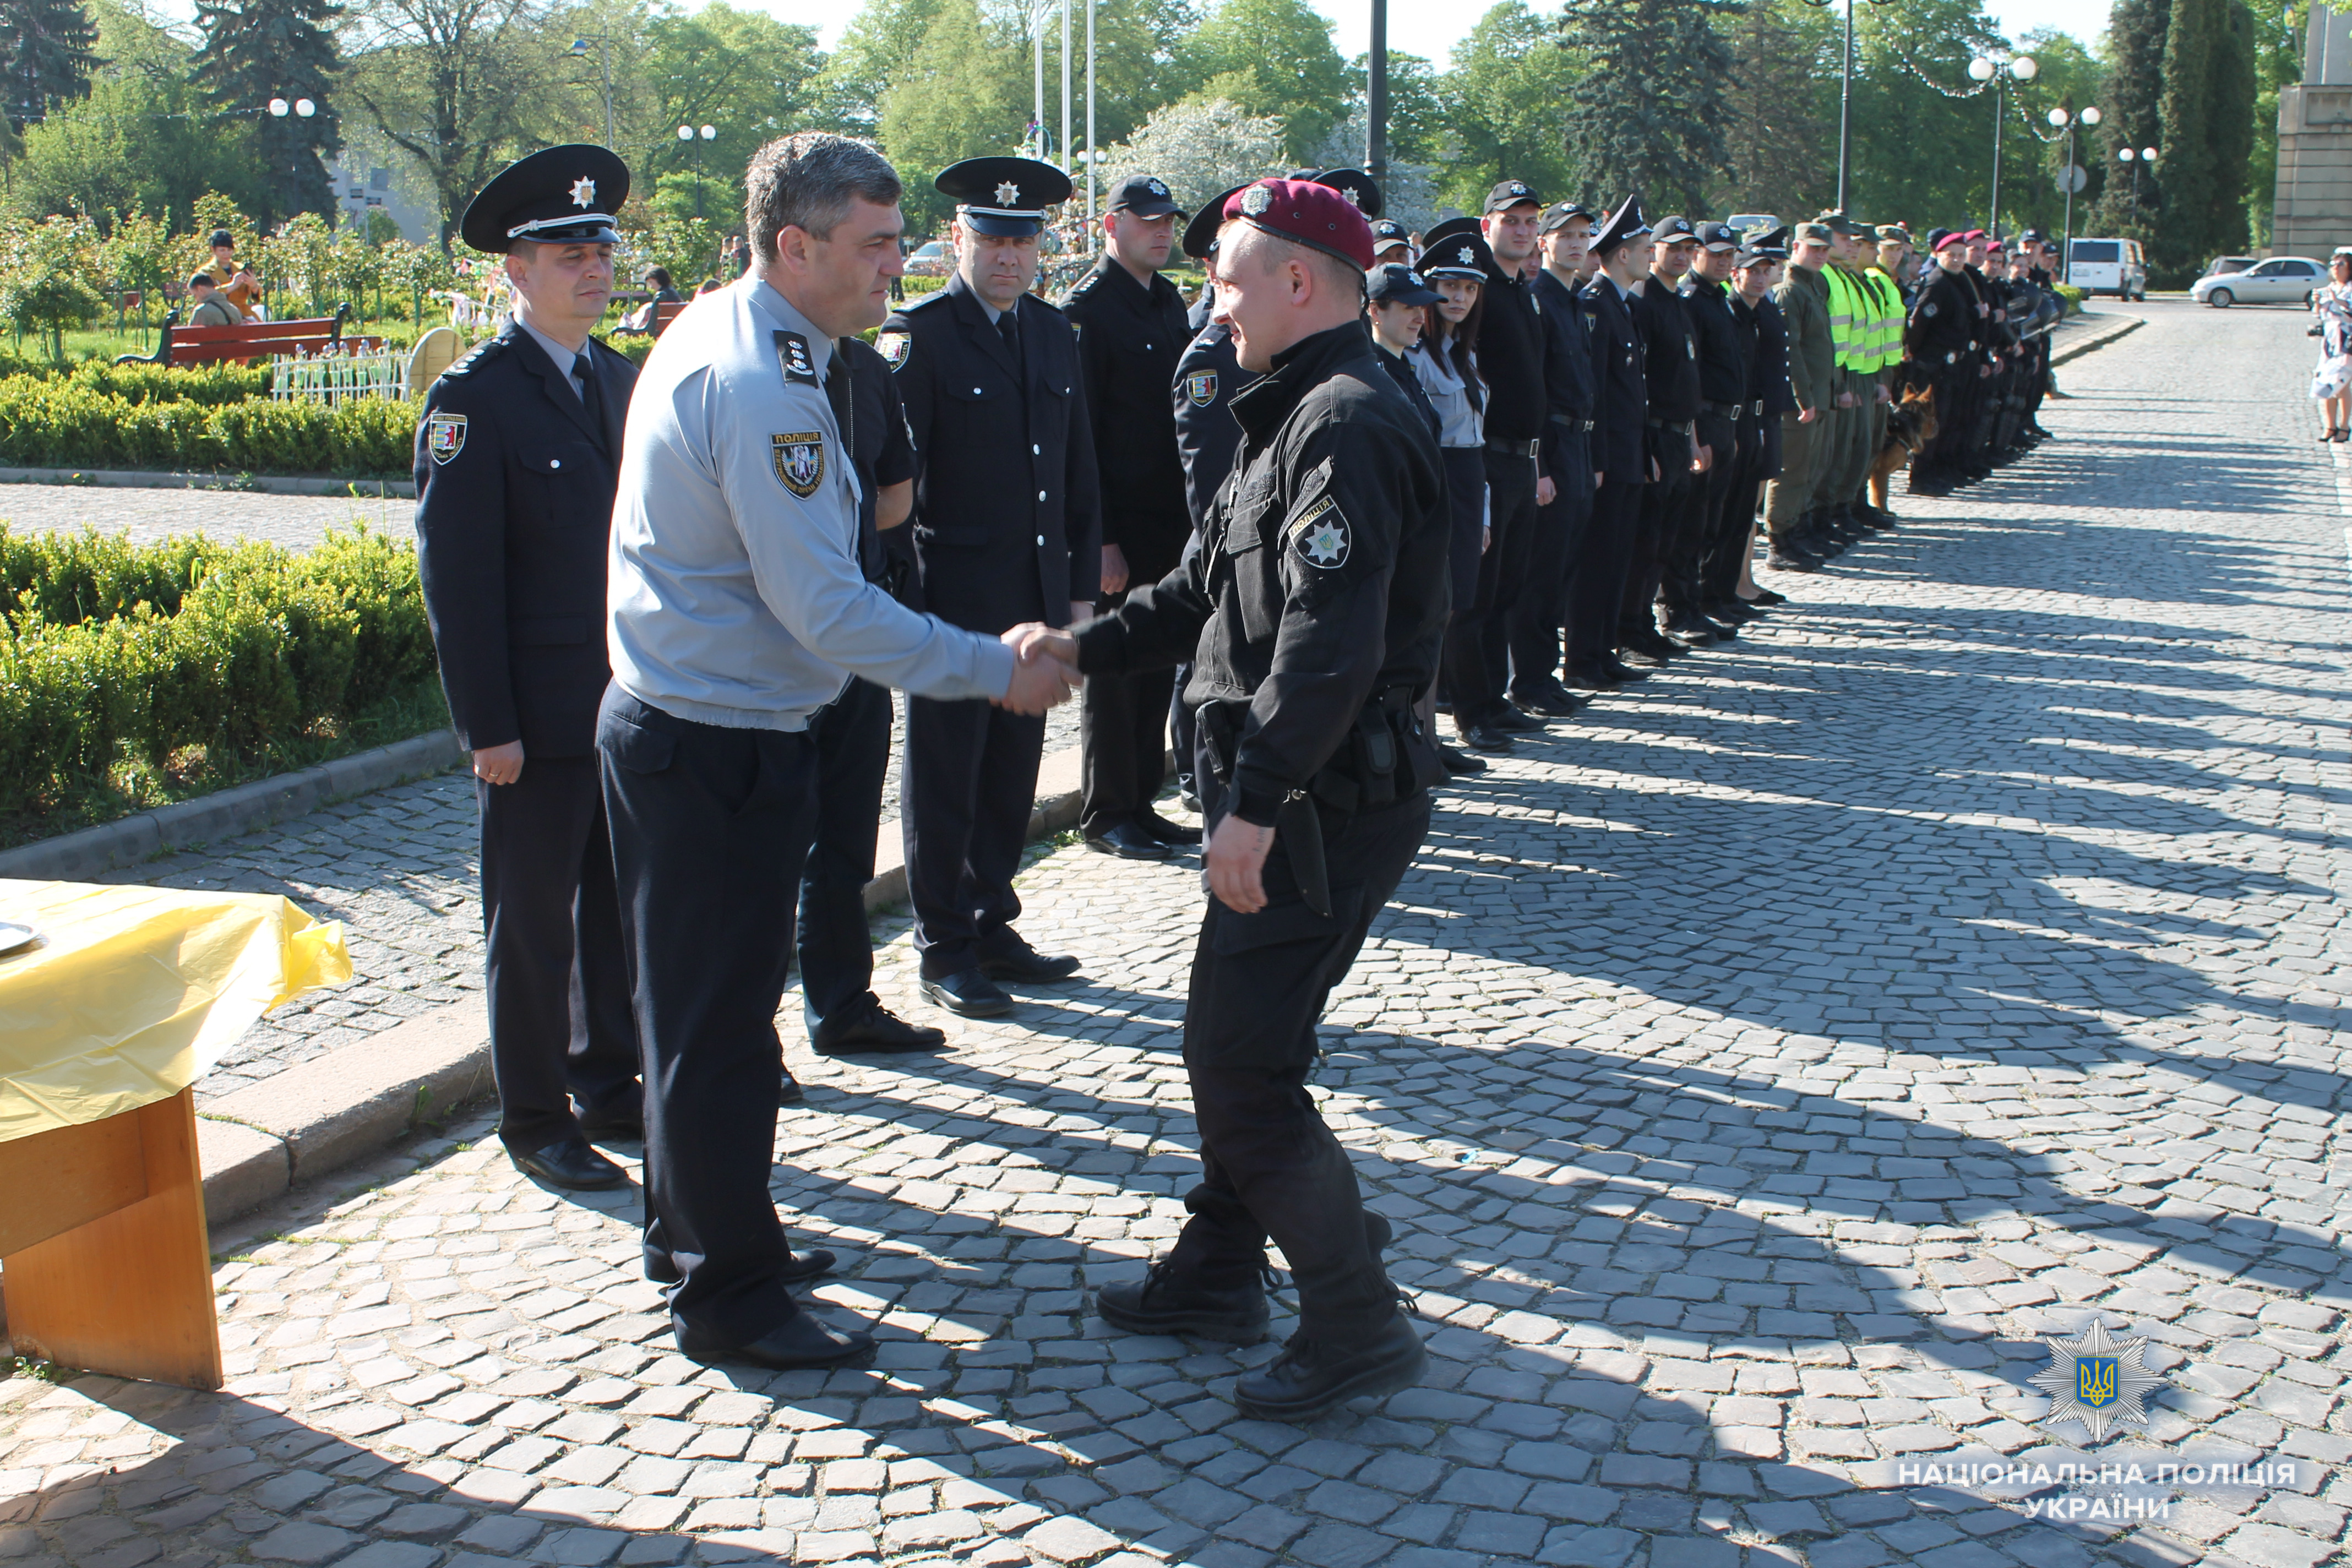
[(1316, 1371), (1170, 1300)]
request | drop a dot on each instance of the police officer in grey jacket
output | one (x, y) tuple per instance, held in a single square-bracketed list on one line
[(737, 611)]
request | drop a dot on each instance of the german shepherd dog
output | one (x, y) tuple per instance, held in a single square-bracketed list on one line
[(1910, 426)]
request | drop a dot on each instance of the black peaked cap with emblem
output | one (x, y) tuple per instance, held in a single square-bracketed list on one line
[(1624, 226), (1003, 196), (1199, 240), (562, 196), (1361, 190), (1388, 232), (1462, 254), (1508, 193), (1145, 195), (1451, 227)]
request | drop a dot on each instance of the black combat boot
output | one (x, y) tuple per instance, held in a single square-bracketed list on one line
[(1320, 1369), (1224, 1300)]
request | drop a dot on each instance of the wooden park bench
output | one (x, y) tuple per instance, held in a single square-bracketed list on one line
[(250, 341), (666, 313)]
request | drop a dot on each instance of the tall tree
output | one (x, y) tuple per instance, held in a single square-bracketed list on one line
[(1504, 101), (963, 94), (1922, 128), (876, 48), (46, 54), (1651, 109), (748, 76), (455, 84), (2185, 116), (2135, 46), (138, 142), (1781, 144), (1274, 58), (258, 50)]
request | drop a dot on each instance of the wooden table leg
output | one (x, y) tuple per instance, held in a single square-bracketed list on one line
[(129, 1293)]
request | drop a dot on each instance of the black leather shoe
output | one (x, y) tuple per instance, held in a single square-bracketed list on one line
[(1623, 674), (1313, 1374), (614, 1126), (1732, 613), (1691, 628), (968, 994), (1010, 958), (788, 1088), (800, 1268), (1128, 842), (1590, 680), (1652, 645), (1552, 701), (799, 1340), (1765, 598), (1483, 737), (570, 1163), (874, 1029), (1160, 1303), (1167, 832), (1787, 559), (1510, 720), (1458, 761)]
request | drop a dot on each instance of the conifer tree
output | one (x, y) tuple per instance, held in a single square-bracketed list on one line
[(256, 50), (1651, 111), (45, 50)]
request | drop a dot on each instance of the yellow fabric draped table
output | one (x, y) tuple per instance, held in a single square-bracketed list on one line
[(126, 997)]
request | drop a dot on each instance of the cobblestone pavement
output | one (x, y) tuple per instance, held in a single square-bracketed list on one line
[(1755, 1069), (295, 522)]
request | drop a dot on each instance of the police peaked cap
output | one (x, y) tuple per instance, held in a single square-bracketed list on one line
[(1624, 226), (1003, 196), (1463, 253), (1359, 187), (1199, 240), (562, 196)]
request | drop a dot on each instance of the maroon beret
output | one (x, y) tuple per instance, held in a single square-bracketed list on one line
[(1949, 240), (1308, 213)]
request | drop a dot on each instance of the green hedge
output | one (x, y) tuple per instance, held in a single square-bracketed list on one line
[(114, 655), (68, 422)]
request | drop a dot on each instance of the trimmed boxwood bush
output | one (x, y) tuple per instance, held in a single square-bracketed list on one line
[(68, 422), (110, 651)]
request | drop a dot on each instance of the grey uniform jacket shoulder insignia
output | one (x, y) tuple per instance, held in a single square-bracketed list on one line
[(480, 354), (792, 355)]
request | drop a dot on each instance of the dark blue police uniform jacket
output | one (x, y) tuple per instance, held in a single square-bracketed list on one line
[(514, 486), (1008, 523)]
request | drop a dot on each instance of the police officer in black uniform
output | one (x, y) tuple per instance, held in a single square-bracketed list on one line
[(1619, 454), (1940, 337), (1007, 531), (517, 459), (1705, 290), (1325, 560), (1537, 621), (1670, 362), (1131, 332)]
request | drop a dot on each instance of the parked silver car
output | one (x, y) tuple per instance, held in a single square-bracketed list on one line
[(2281, 280)]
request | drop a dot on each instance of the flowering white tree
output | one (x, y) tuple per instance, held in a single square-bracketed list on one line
[(1199, 149)]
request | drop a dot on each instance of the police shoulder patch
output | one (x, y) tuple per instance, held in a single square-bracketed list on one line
[(799, 461), (892, 346), (1201, 388), (445, 435), (1320, 533)]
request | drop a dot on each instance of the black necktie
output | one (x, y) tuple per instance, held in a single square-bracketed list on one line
[(588, 395), (1007, 328)]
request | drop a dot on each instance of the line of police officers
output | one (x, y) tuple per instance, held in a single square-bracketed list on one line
[(669, 607)]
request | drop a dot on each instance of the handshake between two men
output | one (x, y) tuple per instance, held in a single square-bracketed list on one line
[(1235, 853)]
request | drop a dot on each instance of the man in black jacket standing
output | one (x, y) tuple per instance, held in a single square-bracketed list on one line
[(1705, 290), (1621, 455), (1131, 333), (1007, 531), (1670, 345), (516, 460), (1554, 271)]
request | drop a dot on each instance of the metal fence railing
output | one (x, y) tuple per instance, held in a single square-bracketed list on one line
[(332, 377)]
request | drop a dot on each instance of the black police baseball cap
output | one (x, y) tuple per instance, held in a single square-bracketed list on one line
[(1003, 196), (1718, 236), (1387, 232), (559, 196), (1555, 215), (1145, 195), (1508, 193), (1674, 229), (1394, 283)]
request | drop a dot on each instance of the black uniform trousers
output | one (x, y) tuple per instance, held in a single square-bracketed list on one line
[(1536, 620), (1702, 506), (1598, 584), (1465, 498), (969, 783), (853, 758), (1123, 740), (558, 985), (1478, 652), (1662, 510), (710, 827), (1719, 566), (1270, 1168)]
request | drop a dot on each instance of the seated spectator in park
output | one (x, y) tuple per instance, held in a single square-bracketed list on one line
[(211, 306), (240, 290), (663, 291)]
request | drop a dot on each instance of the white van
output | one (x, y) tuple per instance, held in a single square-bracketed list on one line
[(2108, 267)]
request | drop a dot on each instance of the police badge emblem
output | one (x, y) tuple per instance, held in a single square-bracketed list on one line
[(445, 435), (1256, 199), (893, 347), (1320, 533), (1201, 386), (799, 460)]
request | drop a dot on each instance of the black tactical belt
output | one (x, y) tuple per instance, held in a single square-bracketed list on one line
[(1681, 427), (1756, 408), (1723, 410), (1575, 427), (1515, 448)]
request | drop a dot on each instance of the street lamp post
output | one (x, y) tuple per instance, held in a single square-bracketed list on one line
[(579, 50), (302, 109), (2134, 160), (2068, 121), (1845, 101), (2024, 67), (685, 134)]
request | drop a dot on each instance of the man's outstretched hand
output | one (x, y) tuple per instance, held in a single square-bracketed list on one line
[(1043, 678)]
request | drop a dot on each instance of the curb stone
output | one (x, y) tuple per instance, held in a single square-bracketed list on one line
[(2111, 329), (266, 484), (340, 1107), (131, 840)]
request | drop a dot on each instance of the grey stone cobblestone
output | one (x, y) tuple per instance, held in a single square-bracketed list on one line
[(1754, 1070)]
